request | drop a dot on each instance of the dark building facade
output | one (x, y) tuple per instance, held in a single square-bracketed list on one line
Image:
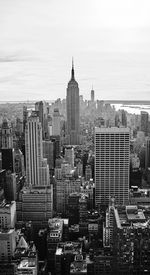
[(144, 122)]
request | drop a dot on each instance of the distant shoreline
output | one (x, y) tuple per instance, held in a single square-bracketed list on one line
[(123, 102), (128, 102)]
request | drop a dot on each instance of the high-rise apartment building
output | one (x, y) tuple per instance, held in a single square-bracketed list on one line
[(112, 157), (37, 170), (73, 111)]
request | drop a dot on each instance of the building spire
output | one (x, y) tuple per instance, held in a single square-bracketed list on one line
[(72, 70)]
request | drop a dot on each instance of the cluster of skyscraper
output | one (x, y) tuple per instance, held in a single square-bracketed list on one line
[(70, 192)]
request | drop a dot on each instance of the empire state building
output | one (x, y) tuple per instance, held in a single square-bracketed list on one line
[(73, 111)]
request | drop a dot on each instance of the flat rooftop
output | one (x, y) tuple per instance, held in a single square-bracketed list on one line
[(37, 190), (139, 216), (68, 247), (111, 130), (55, 224), (126, 216)]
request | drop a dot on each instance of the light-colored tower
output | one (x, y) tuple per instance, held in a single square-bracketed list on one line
[(37, 170), (7, 136), (112, 158), (56, 123), (73, 111)]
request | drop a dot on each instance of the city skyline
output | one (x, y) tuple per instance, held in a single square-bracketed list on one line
[(74, 193), (108, 39)]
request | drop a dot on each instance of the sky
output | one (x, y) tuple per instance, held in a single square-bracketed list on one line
[(108, 39)]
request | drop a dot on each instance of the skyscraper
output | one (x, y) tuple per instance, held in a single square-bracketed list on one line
[(123, 118), (112, 156), (37, 170), (73, 112), (92, 95), (25, 116), (147, 153), (56, 123), (144, 122), (41, 108), (7, 146), (69, 155), (7, 135)]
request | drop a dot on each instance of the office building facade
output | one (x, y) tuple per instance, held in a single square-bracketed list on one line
[(112, 158), (56, 123)]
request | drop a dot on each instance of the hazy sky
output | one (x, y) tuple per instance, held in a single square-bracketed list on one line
[(109, 40)]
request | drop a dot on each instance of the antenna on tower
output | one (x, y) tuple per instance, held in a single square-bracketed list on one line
[(72, 70)]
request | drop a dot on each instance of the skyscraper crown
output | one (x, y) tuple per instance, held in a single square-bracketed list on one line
[(72, 80)]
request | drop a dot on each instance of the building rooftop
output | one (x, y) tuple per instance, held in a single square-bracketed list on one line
[(74, 228), (6, 231), (55, 224), (6, 204), (35, 190), (134, 213), (130, 216), (22, 243), (111, 129), (56, 228), (69, 248), (79, 266), (27, 264)]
